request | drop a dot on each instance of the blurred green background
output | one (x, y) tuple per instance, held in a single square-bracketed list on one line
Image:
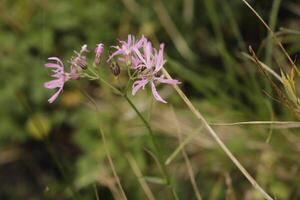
[(48, 151)]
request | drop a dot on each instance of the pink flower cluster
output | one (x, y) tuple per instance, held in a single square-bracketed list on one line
[(146, 62), (59, 73), (78, 62)]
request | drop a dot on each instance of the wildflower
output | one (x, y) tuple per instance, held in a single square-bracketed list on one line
[(151, 63), (98, 51), (126, 49), (61, 77)]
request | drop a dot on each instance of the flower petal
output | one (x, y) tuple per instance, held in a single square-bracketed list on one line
[(148, 53), (159, 59), (136, 63), (55, 95), (57, 60), (140, 43), (167, 81), (54, 83), (52, 65), (155, 93), (139, 55), (118, 52), (137, 85), (129, 39)]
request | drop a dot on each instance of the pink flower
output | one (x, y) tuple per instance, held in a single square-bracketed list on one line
[(60, 77), (150, 64), (126, 49), (98, 52)]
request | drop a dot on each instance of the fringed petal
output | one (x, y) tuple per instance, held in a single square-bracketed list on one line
[(155, 93), (55, 95), (137, 85)]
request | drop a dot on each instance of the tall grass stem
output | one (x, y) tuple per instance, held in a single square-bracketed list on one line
[(219, 141)]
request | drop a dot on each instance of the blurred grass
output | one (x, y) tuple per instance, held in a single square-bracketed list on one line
[(203, 52)]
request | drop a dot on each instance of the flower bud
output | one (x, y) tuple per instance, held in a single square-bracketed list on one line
[(115, 68)]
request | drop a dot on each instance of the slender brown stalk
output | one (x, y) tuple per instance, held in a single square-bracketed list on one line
[(266, 67), (136, 170), (122, 193), (295, 123), (219, 141), (96, 192), (274, 37), (186, 159)]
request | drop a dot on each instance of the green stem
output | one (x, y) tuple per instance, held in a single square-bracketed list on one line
[(155, 144), (147, 125), (111, 86)]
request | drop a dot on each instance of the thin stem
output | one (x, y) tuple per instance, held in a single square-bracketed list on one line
[(140, 116), (111, 86), (90, 77), (156, 147), (147, 125), (108, 155), (182, 144), (136, 170), (96, 192), (219, 141), (266, 67), (257, 123), (123, 195), (274, 37), (186, 158)]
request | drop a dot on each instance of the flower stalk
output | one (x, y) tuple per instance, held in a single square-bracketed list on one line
[(157, 149), (219, 141), (155, 144)]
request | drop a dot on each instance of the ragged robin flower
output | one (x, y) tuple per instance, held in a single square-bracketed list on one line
[(151, 63), (127, 48), (145, 61), (60, 77)]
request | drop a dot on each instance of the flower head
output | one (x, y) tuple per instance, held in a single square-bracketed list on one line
[(127, 48), (149, 64), (146, 61), (60, 77), (98, 52)]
